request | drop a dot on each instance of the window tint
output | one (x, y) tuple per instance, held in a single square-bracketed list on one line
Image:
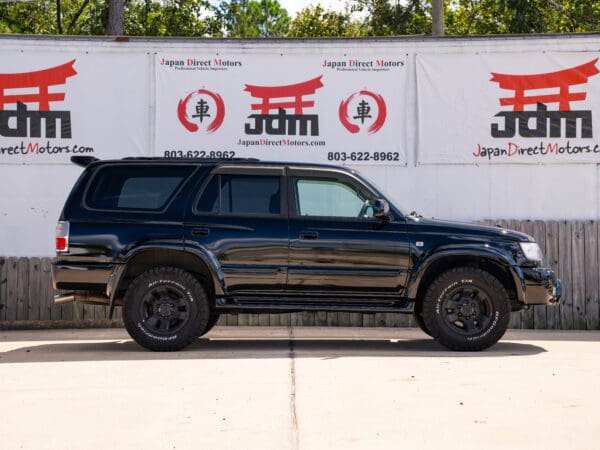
[(241, 194), (329, 198), (135, 187)]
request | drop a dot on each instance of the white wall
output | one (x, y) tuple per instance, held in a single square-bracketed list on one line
[(32, 196)]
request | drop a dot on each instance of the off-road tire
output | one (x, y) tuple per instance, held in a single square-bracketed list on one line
[(466, 309), (165, 309), (418, 316), (212, 321)]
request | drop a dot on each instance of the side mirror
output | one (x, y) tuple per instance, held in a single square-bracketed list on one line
[(381, 209)]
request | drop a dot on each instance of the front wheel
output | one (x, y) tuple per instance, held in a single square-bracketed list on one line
[(466, 309), (165, 309)]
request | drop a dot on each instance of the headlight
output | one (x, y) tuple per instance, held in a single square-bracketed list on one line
[(531, 250)]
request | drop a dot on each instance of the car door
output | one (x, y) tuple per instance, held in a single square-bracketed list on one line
[(241, 218), (337, 247)]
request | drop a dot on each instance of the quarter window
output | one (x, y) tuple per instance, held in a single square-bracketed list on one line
[(135, 187)]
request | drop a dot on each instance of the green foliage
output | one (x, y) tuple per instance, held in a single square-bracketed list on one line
[(266, 18), (249, 18), (521, 16), (395, 17), (316, 22), (169, 18)]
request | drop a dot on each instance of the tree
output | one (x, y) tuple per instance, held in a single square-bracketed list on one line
[(395, 17), (116, 18), (314, 21), (521, 16), (169, 18), (249, 18)]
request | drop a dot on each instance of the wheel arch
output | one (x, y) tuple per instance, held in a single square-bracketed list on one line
[(499, 267), (200, 265)]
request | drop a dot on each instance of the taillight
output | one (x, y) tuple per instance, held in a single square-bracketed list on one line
[(62, 236)]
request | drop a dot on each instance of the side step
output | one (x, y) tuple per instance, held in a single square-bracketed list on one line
[(311, 304), (70, 297)]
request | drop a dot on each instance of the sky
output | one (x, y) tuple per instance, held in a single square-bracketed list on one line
[(293, 6)]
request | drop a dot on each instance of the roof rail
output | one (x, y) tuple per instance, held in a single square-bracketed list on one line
[(83, 161), (207, 160)]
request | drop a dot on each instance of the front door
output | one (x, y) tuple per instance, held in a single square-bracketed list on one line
[(337, 247)]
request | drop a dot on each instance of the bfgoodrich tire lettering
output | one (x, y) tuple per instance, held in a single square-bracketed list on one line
[(165, 309), (466, 309)]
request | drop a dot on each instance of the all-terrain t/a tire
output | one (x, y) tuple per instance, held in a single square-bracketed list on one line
[(212, 321), (165, 309), (418, 316), (466, 309)]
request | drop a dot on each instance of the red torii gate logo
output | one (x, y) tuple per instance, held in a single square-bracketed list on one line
[(28, 122), (292, 98), (561, 80)]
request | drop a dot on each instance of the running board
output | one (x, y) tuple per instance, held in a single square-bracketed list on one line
[(311, 304)]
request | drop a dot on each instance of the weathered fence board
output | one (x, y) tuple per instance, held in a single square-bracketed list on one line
[(527, 320), (564, 272), (34, 291), (539, 312), (578, 274), (571, 249), (551, 255), (46, 293), (592, 278), (22, 288), (3, 287)]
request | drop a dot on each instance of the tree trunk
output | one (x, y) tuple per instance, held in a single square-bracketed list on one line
[(116, 18), (437, 17)]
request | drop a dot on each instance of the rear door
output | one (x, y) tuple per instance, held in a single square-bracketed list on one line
[(240, 216)]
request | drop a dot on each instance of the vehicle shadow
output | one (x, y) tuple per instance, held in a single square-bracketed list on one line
[(277, 348)]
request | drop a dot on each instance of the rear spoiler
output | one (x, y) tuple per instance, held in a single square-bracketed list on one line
[(83, 161)]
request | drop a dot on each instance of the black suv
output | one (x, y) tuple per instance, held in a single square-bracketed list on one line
[(176, 243)]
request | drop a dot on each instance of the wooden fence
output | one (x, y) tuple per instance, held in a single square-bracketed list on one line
[(571, 249)]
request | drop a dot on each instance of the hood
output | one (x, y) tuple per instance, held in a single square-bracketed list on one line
[(449, 227)]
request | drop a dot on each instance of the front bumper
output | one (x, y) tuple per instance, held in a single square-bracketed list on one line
[(541, 286)]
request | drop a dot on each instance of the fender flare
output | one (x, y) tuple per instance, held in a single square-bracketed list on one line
[(211, 262), (496, 256)]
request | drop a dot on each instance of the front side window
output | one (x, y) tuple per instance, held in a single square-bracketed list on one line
[(241, 194), (330, 198)]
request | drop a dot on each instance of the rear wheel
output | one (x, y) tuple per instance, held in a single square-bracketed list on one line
[(466, 309), (165, 309)]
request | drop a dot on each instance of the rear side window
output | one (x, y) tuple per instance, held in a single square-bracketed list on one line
[(145, 188), (241, 194)]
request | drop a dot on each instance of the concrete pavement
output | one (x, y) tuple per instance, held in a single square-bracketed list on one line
[(298, 388)]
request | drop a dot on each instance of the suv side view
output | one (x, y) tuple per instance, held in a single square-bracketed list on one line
[(176, 243)]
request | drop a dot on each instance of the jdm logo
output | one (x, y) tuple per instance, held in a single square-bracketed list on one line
[(201, 108), (542, 122), (280, 99), (361, 103), (28, 122)]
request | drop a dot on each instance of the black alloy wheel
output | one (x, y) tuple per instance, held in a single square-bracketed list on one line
[(166, 309), (466, 309)]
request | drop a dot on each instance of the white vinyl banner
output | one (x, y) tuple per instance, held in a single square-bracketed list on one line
[(305, 108), (528, 107), (54, 105)]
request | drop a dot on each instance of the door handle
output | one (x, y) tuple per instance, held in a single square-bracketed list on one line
[(200, 231), (309, 235)]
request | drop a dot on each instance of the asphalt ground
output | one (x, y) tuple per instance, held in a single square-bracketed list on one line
[(298, 388)]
